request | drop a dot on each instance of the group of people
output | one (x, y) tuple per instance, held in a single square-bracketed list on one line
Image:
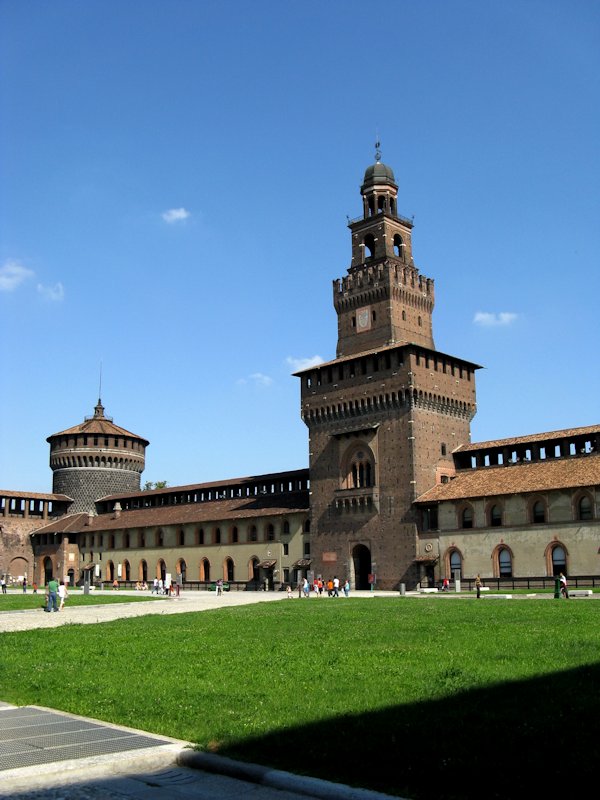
[(56, 594), (141, 586), (332, 586)]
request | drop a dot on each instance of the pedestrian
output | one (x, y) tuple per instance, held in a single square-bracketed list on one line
[(289, 592), (329, 587), (115, 585), (52, 595), (219, 587), (563, 586), (478, 585), (445, 585), (34, 587), (347, 587), (62, 595), (3, 584), (336, 586), (24, 585), (320, 585), (155, 586), (306, 587)]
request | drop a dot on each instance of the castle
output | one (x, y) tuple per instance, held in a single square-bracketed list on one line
[(395, 492)]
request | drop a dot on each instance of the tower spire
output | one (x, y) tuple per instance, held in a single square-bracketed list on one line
[(377, 150)]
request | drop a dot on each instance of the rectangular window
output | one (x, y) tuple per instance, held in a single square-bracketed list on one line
[(286, 549)]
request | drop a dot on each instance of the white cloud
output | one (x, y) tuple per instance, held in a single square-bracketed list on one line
[(175, 215), (298, 364), (53, 293), (12, 274), (489, 320), (260, 379)]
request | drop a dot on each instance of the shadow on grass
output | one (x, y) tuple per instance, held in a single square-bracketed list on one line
[(521, 739)]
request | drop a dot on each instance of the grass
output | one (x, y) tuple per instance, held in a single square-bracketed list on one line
[(17, 601), (418, 698)]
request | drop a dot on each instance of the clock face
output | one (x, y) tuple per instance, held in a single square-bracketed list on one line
[(363, 319)]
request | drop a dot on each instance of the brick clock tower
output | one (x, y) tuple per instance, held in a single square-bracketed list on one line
[(385, 415)]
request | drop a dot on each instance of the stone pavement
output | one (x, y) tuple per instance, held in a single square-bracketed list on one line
[(51, 755)]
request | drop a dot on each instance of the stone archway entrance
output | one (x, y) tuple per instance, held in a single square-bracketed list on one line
[(361, 563)]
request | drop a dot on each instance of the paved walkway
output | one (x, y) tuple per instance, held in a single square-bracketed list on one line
[(51, 755)]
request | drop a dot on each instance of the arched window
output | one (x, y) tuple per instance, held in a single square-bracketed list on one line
[(286, 526), (200, 536), (505, 563), (538, 512), (369, 245), (205, 570), (584, 508), (159, 538), (234, 534), (466, 518), (111, 542), (180, 537), (559, 560), (217, 536), (398, 246), (126, 541), (360, 470), (495, 516), (306, 526), (253, 534), (270, 533), (455, 563), (141, 539)]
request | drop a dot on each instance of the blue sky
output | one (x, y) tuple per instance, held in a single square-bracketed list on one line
[(176, 176)]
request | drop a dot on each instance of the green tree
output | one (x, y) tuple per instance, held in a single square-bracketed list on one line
[(149, 485)]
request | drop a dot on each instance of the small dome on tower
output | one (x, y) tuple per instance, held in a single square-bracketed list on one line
[(378, 174)]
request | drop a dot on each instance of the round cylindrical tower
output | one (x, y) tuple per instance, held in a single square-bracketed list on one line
[(95, 459)]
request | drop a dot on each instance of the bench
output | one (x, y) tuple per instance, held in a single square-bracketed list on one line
[(428, 591), (580, 593), (498, 596)]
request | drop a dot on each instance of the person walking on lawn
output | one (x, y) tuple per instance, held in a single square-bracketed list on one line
[(52, 595)]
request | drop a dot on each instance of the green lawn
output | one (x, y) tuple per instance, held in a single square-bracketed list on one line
[(419, 698), (17, 601)]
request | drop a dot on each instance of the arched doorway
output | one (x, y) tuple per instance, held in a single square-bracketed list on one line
[(71, 577), (161, 570), (182, 569), (229, 569), (361, 562), (143, 571), (205, 570), (126, 571), (48, 570), (110, 571)]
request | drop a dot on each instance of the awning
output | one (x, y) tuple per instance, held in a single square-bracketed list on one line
[(268, 564), (303, 562), (426, 559)]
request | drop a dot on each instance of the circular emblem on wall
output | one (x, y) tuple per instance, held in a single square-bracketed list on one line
[(428, 547)]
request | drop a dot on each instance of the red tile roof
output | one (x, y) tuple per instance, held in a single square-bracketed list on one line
[(36, 496), (219, 511), (536, 476), (568, 433)]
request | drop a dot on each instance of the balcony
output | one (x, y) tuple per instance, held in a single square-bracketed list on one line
[(350, 501)]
